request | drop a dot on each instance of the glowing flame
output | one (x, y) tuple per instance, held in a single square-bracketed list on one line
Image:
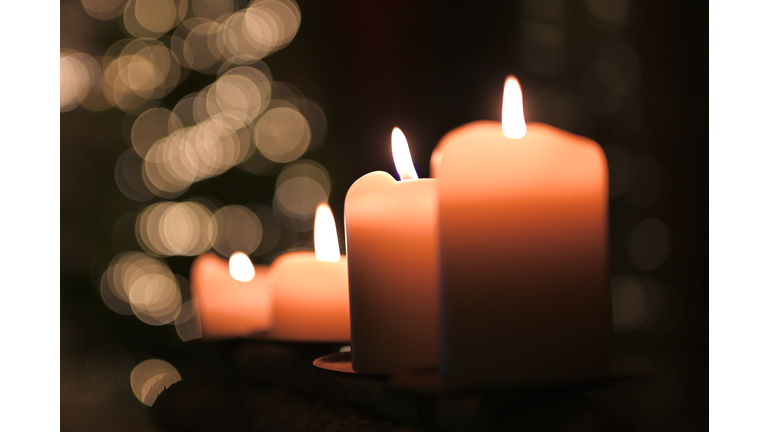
[(402, 156), (512, 117), (240, 267), (326, 240)]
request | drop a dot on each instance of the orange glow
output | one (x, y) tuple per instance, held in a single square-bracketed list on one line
[(326, 240), (402, 156), (241, 267), (512, 116)]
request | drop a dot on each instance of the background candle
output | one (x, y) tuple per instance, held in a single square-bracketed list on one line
[(311, 291), (392, 247), (228, 307), (523, 226)]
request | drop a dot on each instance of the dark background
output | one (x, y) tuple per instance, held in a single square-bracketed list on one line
[(429, 67)]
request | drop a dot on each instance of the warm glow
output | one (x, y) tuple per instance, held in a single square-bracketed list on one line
[(326, 240), (240, 267), (512, 116), (402, 156)]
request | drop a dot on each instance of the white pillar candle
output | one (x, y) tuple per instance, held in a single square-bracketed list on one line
[(523, 225), (391, 229)]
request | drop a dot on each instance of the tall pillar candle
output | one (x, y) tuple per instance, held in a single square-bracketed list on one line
[(524, 264), (391, 229)]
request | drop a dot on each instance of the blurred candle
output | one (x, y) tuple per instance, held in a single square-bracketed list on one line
[(391, 231), (523, 225), (229, 307), (310, 289)]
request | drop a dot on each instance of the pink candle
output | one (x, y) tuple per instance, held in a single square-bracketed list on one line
[(228, 307), (523, 224), (302, 296), (392, 247), (311, 291)]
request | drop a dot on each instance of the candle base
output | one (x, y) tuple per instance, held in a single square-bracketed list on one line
[(341, 363)]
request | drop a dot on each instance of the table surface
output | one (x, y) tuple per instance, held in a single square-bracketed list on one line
[(248, 385)]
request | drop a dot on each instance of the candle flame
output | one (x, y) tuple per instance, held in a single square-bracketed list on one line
[(240, 267), (326, 240), (402, 156), (512, 117)]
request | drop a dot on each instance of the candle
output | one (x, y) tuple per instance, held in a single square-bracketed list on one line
[(311, 292), (391, 232), (229, 307), (523, 226)]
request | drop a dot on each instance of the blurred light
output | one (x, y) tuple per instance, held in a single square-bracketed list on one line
[(75, 81), (299, 189), (238, 230), (345, 348), (168, 228), (104, 9), (282, 134), (240, 267), (512, 117), (326, 238), (649, 244), (188, 322), (152, 18), (271, 230), (151, 126), (137, 71), (157, 16), (402, 156), (144, 284), (149, 378), (613, 12), (545, 9), (212, 9)]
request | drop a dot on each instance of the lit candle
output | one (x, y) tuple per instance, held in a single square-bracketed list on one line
[(311, 292), (391, 232), (233, 300), (523, 236)]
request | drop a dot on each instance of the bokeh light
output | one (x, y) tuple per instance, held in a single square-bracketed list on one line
[(152, 18), (80, 75), (168, 228), (187, 324), (104, 9), (649, 244), (139, 284), (612, 13), (238, 230), (150, 377), (299, 189), (637, 303), (282, 134), (138, 72)]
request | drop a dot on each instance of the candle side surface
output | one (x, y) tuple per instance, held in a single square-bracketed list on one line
[(392, 251), (311, 299), (524, 257)]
